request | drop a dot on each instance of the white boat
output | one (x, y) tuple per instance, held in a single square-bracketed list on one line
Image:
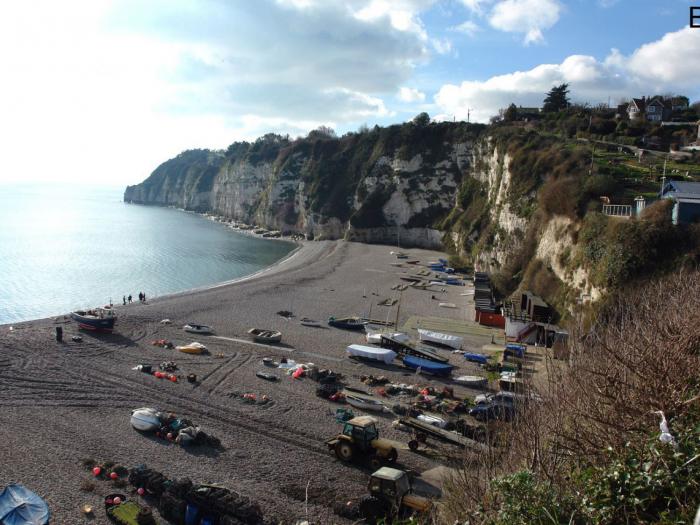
[(472, 381), (198, 328), (364, 403), (192, 348), (447, 305), (369, 352), (375, 337), (305, 321), (265, 336), (145, 419), (438, 338)]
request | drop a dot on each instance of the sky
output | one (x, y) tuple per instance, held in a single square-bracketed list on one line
[(102, 92)]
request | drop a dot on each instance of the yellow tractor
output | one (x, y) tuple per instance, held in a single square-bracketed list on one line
[(360, 440), (390, 496)]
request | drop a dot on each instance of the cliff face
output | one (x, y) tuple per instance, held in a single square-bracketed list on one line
[(376, 186), (451, 185)]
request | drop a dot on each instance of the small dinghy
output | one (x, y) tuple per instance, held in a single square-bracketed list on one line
[(364, 403), (198, 328), (260, 335), (305, 321), (347, 323), (192, 348), (472, 381), (146, 419), (268, 361), (266, 376)]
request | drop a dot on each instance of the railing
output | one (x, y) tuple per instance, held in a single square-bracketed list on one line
[(617, 210)]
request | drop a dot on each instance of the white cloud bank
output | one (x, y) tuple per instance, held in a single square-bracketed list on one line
[(104, 91), (670, 64)]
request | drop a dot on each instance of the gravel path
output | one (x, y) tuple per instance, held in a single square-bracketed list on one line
[(62, 403)]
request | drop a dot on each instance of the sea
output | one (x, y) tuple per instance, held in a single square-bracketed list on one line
[(65, 247)]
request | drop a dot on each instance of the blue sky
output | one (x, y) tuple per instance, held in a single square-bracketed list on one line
[(105, 91)]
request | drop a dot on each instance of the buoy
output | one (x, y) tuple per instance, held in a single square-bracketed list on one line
[(173, 378), (117, 500), (96, 471), (140, 491), (170, 435), (113, 475)]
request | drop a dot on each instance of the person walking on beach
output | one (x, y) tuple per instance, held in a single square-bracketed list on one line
[(129, 298), (124, 300), (140, 297), (144, 297)]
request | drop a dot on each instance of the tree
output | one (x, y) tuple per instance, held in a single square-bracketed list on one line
[(557, 98), (422, 119), (322, 132), (511, 113)]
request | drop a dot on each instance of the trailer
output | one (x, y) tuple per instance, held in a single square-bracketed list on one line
[(422, 431), (404, 348)]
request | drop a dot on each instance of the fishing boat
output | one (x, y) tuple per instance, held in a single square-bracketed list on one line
[(97, 319), (430, 367), (347, 323), (371, 353), (198, 328), (260, 335), (305, 321), (364, 403), (192, 348), (440, 339)]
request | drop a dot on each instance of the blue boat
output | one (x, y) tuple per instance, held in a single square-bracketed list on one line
[(347, 323), (476, 358), (97, 319), (431, 367), (515, 350)]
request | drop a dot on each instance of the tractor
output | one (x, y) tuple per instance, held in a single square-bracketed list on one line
[(390, 496), (360, 440)]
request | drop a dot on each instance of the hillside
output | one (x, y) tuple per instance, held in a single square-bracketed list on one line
[(520, 199)]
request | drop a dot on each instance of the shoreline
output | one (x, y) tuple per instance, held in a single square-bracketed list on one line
[(80, 392), (270, 269)]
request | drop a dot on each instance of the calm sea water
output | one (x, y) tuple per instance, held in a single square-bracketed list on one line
[(66, 247)]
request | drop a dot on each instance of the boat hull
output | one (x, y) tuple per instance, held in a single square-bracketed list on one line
[(105, 324)]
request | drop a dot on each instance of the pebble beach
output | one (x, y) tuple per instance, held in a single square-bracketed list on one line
[(64, 403)]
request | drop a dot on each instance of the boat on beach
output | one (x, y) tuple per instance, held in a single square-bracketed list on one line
[(440, 339), (371, 353), (96, 319), (305, 321), (192, 348), (198, 328), (260, 335), (425, 365), (363, 403), (347, 323)]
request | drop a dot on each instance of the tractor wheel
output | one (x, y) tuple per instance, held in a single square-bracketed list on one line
[(375, 463), (413, 445), (373, 509), (391, 458), (343, 451)]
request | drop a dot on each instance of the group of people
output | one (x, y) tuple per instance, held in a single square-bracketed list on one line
[(142, 298)]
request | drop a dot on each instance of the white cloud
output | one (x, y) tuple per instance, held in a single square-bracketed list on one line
[(442, 46), (407, 94), (525, 16), (671, 64), (468, 27), (672, 60), (476, 6)]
